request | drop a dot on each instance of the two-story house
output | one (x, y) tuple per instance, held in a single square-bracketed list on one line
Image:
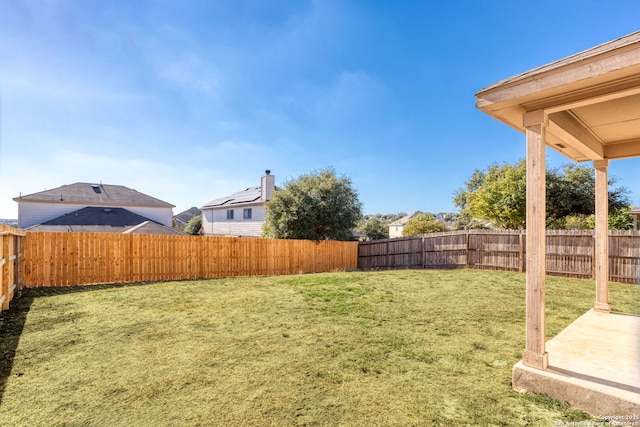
[(397, 227), (239, 214), (94, 207)]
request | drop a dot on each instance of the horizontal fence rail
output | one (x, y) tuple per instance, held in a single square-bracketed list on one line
[(569, 253), (11, 257), (67, 259)]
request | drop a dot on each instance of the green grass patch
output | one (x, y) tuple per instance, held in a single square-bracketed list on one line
[(364, 348)]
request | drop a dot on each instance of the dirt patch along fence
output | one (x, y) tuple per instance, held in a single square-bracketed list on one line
[(68, 259), (11, 257), (569, 253)]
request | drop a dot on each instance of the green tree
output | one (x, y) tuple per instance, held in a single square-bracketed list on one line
[(466, 222), (194, 225), (573, 222), (498, 195), (423, 224), (374, 228), (317, 206), (619, 220)]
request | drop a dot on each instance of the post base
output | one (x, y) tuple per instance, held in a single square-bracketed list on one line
[(535, 360)]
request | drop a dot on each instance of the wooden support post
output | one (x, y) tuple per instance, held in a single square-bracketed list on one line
[(535, 355), (601, 255)]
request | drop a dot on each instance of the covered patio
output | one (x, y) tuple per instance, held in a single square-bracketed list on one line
[(587, 107)]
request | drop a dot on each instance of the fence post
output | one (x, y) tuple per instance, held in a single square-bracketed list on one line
[(593, 256), (387, 255), (4, 291), (468, 251), (521, 252), (424, 252)]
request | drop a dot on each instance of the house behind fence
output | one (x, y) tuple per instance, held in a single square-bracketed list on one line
[(569, 253)]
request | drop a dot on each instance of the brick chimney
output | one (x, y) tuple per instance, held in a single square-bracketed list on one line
[(267, 186)]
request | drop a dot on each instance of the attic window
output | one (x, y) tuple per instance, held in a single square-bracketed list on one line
[(96, 188)]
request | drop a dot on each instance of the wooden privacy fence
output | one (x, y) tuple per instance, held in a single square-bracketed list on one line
[(11, 256), (67, 259), (569, 253)]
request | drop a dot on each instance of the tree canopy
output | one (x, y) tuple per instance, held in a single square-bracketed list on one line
[(423, 224), (194, 225), (498, 194), (374, 228), (317, 206)]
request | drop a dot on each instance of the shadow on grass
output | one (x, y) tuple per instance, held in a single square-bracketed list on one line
[(12, 321), (11, 324)]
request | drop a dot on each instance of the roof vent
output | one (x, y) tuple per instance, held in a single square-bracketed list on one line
[(267, 172), (107, 210), (561, 146)]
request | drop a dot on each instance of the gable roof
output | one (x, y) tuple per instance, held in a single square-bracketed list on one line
[(249, 195), (186, 216), (151, 227), (405, 219), (98, 219), (94, 194)]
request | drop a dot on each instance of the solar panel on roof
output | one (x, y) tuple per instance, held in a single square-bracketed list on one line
[(248, 196)]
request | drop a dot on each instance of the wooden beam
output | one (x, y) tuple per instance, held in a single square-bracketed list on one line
[(535, 355), (588, 96), (601, 257), (570, 130), (622, 149)]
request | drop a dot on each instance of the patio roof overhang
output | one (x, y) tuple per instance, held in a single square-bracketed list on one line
[(591, 101), (587, 107)]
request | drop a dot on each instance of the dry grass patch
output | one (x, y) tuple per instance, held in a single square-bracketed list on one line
[(364, 348)]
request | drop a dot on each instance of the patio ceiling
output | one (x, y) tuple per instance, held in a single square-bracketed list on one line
[(590, 101)]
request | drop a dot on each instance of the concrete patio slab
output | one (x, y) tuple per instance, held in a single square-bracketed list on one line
[(594, 365)]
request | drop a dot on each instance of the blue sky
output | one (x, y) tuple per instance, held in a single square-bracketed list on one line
[(188, 101)]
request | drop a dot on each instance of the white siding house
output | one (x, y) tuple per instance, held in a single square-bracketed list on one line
[(397, 227), (38, 208), (239, 214)]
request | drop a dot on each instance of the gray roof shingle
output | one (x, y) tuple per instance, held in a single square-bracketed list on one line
[(186, 216), (99, 219), (405, 219), (94, 194)]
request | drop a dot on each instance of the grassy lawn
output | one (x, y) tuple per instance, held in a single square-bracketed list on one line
[(357, 349)]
